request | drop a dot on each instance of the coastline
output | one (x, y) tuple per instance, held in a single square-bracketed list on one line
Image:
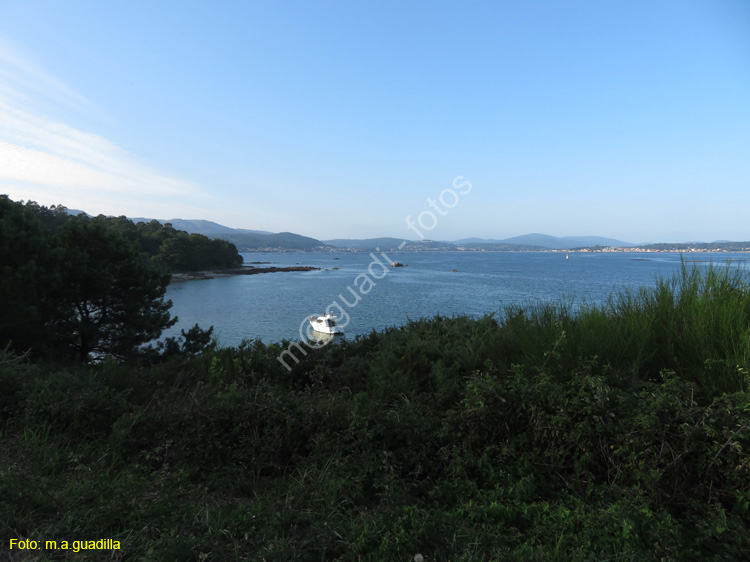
[(213, 274)]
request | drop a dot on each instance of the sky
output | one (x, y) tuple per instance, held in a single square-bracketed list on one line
[(626, 119)]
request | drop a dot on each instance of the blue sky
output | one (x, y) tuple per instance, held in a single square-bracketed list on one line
[(627, 119)]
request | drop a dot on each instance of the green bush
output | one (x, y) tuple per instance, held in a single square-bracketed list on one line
[(617, 432)]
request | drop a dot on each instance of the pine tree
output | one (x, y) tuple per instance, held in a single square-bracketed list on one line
[(110, 301)]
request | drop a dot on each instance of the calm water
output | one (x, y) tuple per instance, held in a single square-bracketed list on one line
[(272, 306)]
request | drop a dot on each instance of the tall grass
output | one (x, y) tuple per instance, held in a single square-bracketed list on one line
[(696, 323)]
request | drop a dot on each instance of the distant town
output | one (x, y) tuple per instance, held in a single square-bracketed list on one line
[(730, 247), (669, 248), (433, 246)]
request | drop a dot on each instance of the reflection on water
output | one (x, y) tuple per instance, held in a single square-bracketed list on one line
[(319, 338)]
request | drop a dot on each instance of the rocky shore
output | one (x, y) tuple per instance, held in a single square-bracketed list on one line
[(213, 274)]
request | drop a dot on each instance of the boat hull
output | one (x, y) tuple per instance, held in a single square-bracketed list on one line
[(324, 328)]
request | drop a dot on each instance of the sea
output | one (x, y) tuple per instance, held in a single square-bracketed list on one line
[(366, 294)]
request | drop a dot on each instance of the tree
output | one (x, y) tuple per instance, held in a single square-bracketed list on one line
[(110, 302), (77, 287), (51, 218), (193, 342), (29, 265)]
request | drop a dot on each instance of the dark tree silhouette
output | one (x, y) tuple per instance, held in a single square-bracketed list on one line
[(29, 270), (110, 302), (81, 287)]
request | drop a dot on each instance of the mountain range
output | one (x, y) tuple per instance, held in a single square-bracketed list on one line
[(553, 242), (243, 238), (250, 240), (246, 239), (202, 226)]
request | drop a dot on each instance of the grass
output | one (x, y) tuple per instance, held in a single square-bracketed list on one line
[(696, 323)]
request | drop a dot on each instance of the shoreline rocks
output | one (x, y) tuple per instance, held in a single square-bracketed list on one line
[(213, 274)]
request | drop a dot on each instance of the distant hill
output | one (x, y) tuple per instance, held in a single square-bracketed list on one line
[(282, 241), (565, 242), (248, 240), (544, 242), (465, 241), (502, 247), (387, 243), (76, 212), (384, 243), (244, 239), (197, 226)]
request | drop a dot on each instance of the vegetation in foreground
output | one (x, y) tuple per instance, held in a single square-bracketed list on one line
[(620, 432)]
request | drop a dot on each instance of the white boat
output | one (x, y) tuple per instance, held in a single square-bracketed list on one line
[(325, 324)]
